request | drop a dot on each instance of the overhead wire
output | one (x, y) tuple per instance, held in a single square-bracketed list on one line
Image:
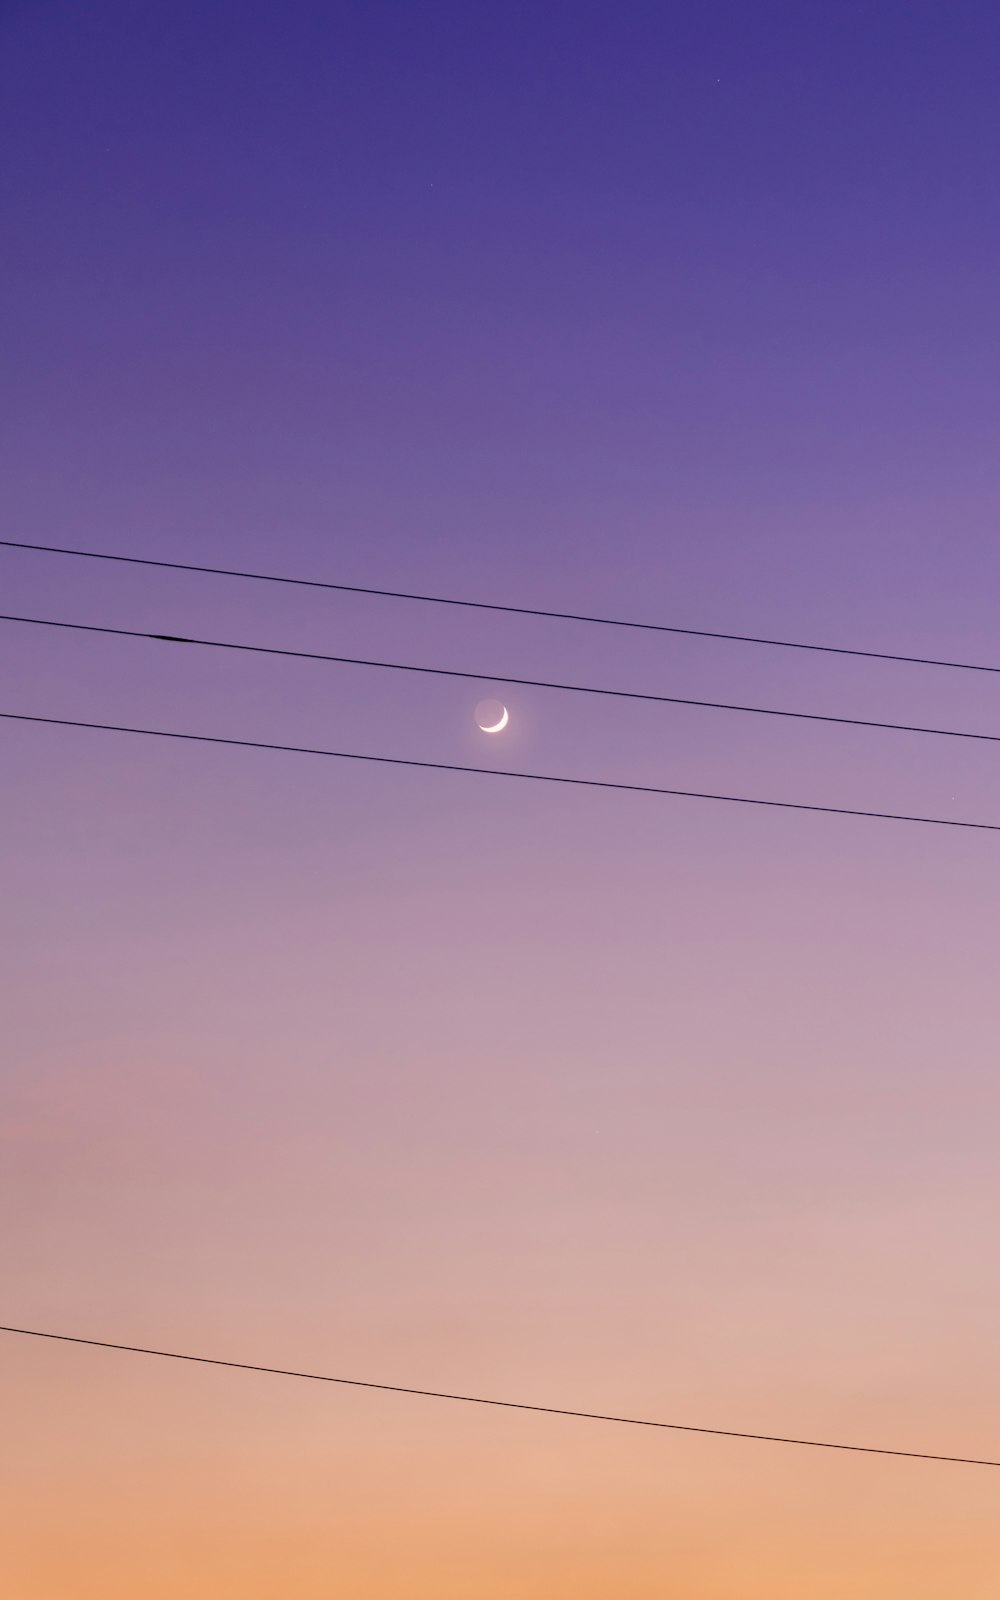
[(496, 606), (498, 772), (504, 678), (507, 1405)]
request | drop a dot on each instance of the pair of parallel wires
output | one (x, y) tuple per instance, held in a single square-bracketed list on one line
[(537, 777)]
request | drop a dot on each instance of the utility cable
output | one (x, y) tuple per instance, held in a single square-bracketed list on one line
[(498, 772), (507, 1405), (507, 678), (492, 605)]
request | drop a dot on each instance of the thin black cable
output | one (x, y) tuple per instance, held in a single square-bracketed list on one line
[(499, 677), (507, 1405), (498, 772), (492, 605)]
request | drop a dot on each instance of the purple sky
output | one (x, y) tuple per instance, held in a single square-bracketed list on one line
[(686, 313)]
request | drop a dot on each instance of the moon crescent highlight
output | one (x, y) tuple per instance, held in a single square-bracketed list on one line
[(490, 709)]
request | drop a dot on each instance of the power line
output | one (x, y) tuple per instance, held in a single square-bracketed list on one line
[(506, 1405), (499, 677), (498, 772), (492, 605)]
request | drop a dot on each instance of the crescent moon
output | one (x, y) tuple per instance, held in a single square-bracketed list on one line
[(496, 727)]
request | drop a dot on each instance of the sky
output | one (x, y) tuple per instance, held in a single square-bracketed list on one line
[(606, 1101)]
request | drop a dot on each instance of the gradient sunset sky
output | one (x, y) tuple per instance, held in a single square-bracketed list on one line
[(687, 313)]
